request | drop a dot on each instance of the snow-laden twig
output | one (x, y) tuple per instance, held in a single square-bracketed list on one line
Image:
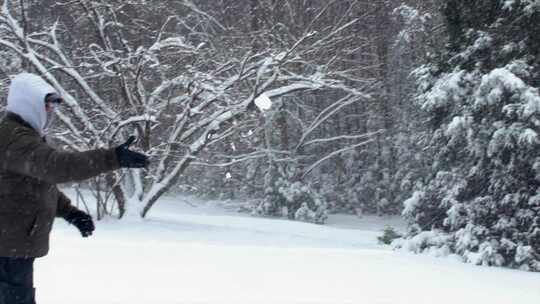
[(333, 154), (342, 137)]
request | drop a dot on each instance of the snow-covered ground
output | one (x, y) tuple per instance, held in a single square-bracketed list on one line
[(199, 253)]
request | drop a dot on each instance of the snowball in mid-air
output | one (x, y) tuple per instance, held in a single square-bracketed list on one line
[(263, 102)]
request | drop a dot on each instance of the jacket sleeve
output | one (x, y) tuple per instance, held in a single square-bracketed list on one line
[(64, 205), (28, 155)]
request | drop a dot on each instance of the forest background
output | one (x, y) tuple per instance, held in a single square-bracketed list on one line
[(427, 109)]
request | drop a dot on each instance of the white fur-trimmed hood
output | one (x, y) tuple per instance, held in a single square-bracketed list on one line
[(26, 98)]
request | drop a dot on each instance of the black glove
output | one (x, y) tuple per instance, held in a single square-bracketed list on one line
[(128, 158), (82, 221)]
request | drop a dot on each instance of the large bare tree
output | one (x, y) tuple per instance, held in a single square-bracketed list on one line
[(179, 89)]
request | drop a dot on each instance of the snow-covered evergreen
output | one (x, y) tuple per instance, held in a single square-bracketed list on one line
[(481, 97)]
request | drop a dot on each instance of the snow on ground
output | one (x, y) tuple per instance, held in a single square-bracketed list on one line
[(193, 252)]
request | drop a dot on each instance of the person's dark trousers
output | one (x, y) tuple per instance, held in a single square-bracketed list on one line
[(17, 281)]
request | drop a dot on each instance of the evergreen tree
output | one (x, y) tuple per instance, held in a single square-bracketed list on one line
[(481, 96)]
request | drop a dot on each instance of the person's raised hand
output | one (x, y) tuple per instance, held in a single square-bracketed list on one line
[(128, 158)]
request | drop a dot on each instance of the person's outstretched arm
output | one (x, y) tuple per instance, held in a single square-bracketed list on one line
[(28, 155)]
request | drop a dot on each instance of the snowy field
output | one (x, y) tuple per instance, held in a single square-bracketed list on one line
[(201, 253)]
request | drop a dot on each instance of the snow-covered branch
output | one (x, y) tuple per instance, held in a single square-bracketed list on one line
[(177, 91)]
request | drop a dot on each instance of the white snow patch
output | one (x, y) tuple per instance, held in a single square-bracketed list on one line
[(529, 136), (455, 126), (193, 252), (411, 203)]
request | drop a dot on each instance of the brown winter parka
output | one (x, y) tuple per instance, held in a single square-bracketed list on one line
[(29, 197)]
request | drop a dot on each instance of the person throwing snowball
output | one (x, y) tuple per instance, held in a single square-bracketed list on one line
[(30, 170)]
